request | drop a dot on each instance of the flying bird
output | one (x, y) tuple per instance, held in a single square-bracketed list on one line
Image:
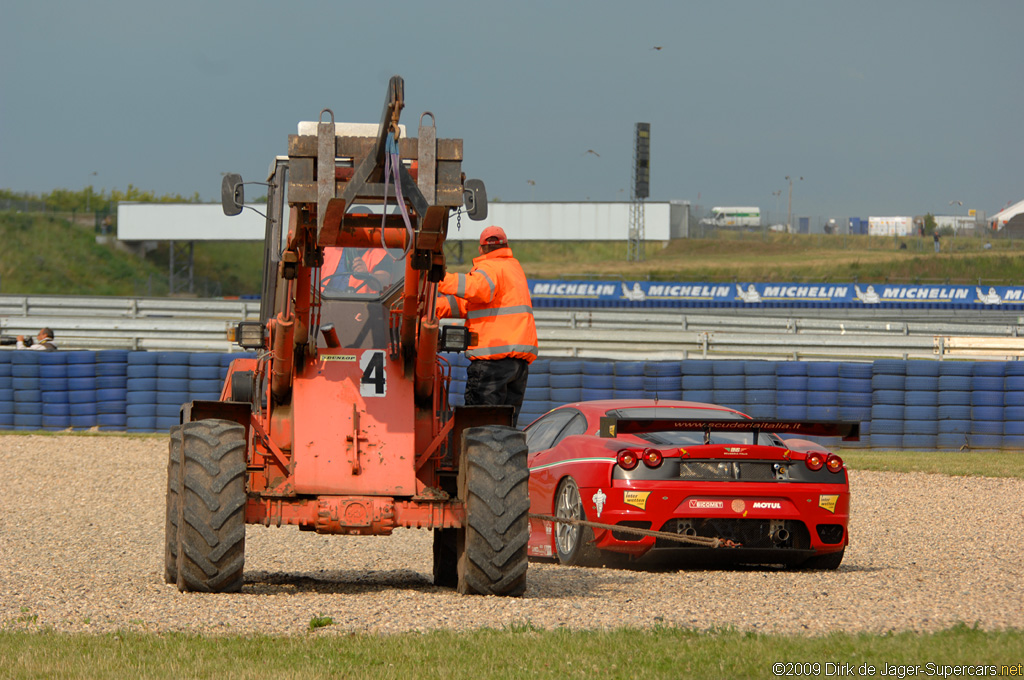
[(656, 47), (593, 152)]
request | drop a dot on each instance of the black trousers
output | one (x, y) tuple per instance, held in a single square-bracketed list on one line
[(497, 382)]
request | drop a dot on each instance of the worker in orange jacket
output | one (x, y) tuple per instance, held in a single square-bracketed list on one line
[(494, 299)]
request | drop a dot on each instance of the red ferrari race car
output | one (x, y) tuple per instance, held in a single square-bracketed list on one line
[(704, 481)]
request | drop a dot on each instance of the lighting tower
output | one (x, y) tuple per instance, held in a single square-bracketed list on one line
[(640, 191)]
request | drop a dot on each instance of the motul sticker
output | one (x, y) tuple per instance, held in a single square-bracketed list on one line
[(767, 505), (638, 499), (696, 504), (828, 502)]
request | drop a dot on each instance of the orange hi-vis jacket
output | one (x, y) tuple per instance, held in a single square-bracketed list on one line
[(494, 299)]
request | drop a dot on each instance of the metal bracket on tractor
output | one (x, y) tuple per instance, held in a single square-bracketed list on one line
[(341, 423)]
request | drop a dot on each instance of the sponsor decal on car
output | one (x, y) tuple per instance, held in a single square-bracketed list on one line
[(638, 499), (599, 499), (828, 501), (700, 504), (735, 451), (738, 505), (767, 505)]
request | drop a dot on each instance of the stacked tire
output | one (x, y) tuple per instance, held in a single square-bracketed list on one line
[(628, 380), (921, 401), (987, 405), (140, 392), (698, 380), (53, 390), (663, 380), (1013, 405), (954, 404), (887, 403), (81, 372), (6, 391), (760, 384), (791, 385), (855, 400), (598, 380), (729, 384), (111, 389), (27, 409), (565, 381)]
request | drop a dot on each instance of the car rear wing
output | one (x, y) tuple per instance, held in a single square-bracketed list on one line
[(612, 427)]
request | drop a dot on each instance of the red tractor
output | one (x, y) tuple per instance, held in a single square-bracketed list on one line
[(341, 424)]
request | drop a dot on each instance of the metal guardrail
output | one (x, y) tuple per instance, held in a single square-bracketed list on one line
[(201, 325)]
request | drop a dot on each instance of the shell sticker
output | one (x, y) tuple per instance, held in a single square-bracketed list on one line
[(638, 499), (828, 502)]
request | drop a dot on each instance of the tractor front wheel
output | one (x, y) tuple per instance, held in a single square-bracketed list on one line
[(211, 516), (493, 485), (173, 495)]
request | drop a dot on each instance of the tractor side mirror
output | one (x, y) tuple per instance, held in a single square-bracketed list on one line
[(474, 196), (231, 195)]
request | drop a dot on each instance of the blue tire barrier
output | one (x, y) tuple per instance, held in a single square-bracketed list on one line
[(107, 407), (25, 371), (111, 421), (855, 385), (731, 398), (7, 395), (19, 383), (662, 383), (888, 381), (822, 398), (822, 412), (24, 359), (952, 441), (854, 414), (760, 382), (958, 368), (168, 410), (994, 369), (53, 371), (921, 383), (563, 381), (855, 399), (890, 366), (760, 397), (28, 408), (536, 394), (663, 369), (895, 397), (27, 396), (172, 371), (855, 370), (565, 395), (952, 426), (6, 382), (954, 398), (628, 382), (110, 394), (729, 381), (204, 359), (166, 423), (80, 357), (56, 409), (954, 383), (987, 398), (82, 370), (954, 412), (1014, 383), (173, 384), (598, 368), (1013, 414), (665, 395), (538, 365), (206, 373), (1013, 428), (173, 358), (725, 367), (83, 408), (630, 368), (917, 441), (923, 368), (108, 382), (79, 384), (56, 422), (141, 397), (822, 369), (921, 413), (141, 358), (765, 411), (921, 427), (539, 379), (81, 396), (205, 386), (986, 382), (54, 397), (140, 423), (886, 441), (28, 421), (985, 441), (791, 383), (886, 426), (888, 412), (566, 367), (700, 396), (697, 382), (994, 413), (83, 422), (177, 398), (696, 367), (791, 398), (752, 368), (791, 412), (141, 371), (598, 382)]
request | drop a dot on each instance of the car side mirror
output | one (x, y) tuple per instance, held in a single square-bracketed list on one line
[(474, 197), (232, 198)]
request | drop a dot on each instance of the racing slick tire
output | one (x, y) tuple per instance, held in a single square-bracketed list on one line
[(574, 544), (211, 514), (494, 485), (829, 562), (172, 499)]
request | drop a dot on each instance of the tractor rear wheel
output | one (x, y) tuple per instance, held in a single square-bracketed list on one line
[(211, 516), (493, 485), (173, 495)]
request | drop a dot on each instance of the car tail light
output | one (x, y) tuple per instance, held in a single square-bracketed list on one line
[(652, 458), (627, 459), (814, 461), (834, 463)]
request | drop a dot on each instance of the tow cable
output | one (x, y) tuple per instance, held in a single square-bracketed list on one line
[(706, 541)]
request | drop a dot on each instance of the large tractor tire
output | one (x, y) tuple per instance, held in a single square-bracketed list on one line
[(173, 494), (494, 483), (211, 517)]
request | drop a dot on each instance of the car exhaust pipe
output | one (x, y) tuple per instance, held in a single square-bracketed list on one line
[(779, 536), (686, 530)]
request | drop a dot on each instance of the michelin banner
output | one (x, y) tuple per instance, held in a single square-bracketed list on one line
[(654, 293)]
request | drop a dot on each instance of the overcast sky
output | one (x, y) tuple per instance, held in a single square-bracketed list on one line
[(883, 107)]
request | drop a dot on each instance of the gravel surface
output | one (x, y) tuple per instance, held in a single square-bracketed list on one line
[(81, 549)]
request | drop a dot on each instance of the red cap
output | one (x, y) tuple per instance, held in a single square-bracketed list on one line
[(493, 235)]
